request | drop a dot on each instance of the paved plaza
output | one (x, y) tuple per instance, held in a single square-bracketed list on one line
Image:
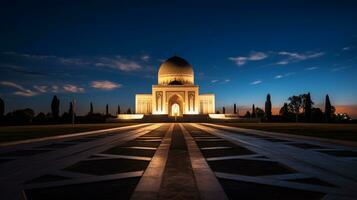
[(177, 161)]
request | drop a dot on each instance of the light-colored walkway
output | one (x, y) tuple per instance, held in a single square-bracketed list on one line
[(310, 161)]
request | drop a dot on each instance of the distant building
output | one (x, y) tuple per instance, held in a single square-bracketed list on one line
[(175, 94)]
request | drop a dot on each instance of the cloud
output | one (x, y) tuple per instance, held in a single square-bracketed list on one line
[(214, 81), (119, 63), (105, 85), (55, 88), (74, 61), (284, 62), (296, 57), (336, 69), (73, 88), (31, 56), (254, 56), (256, 82), (346, 48), (19, 70), (41, 88), (21, 91), (227, 80), (311, 68), (115, 62), (145, 58), (279, 76)]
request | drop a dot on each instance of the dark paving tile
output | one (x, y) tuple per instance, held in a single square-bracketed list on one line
[(275, 140), (226, 152), (249, 167), (57, 145), (81, 140), (342, 153), (106, 190), (108, 166), (97, 137), (313, 181), (5, 160), (47, 178), (202, 144), (306, 146), (246, 190), (199, 134), (141, 144), (131, 152), (23, 153)]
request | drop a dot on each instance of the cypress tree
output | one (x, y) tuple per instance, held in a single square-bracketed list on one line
[(55, 106), (328, 109), (235, 109), (118, 112), (91, 109), (253, 112), (70, 110), (2, 107), (268, 108), (223, 110), (107, 110), (307, 107)]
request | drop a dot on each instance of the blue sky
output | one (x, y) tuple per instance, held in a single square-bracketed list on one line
[(106, 52)]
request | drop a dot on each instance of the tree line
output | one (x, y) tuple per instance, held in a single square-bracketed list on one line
[(299, 108), (27, 115)]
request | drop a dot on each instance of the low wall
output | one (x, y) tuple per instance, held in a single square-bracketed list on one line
[(219, 118)]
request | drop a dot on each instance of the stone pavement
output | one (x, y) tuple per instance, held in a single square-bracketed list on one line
[(178, 161)]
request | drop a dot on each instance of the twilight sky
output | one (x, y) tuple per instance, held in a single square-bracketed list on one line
[(106, 52)]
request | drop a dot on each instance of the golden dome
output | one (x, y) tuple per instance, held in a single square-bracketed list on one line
[(175, 71)]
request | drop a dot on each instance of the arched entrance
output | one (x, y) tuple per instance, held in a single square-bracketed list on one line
[(175, 106), (175, 109)]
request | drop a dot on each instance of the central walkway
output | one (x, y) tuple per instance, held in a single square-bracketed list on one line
[(178, 179)]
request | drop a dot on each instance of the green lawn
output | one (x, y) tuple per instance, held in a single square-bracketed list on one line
[(15, 133), (332, 131)]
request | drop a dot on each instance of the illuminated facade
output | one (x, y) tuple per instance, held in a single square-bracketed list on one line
[(175, 94)]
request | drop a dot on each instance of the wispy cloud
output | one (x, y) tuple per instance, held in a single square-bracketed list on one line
[(336, 69), (214, 81), (290, 57), (73, 88), (279, 76), (346, 48), (119, 63), (20, 70), (41, 88), (254, 56), (54, 88), (105, 85), (32, 56), (311, 68), (145, 58), (21, 91), (256, 82), (114, 62)]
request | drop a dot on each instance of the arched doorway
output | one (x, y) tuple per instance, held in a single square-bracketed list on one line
[(175, 109), (175, 106)]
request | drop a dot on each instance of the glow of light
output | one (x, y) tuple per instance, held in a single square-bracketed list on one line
[(130, 116), (217, 116)]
